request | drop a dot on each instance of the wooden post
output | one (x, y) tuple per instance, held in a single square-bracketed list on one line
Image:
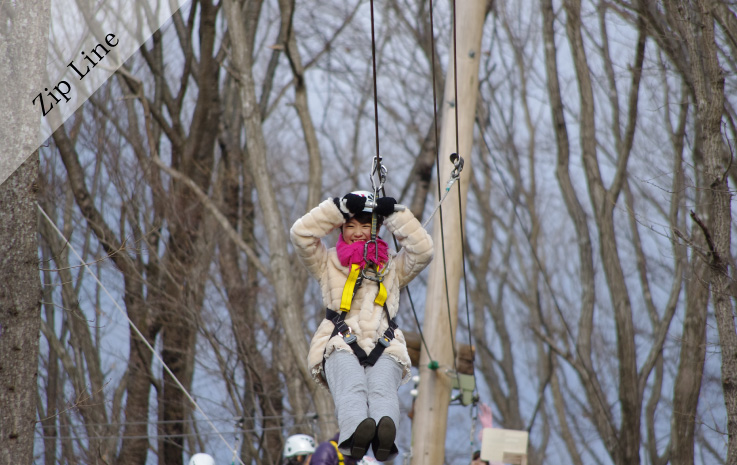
[(431, 406)]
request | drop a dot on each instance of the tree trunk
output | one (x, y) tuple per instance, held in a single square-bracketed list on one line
[(186, 256), (690, 374), (602, 416), (287, 303), (314, 185), (24, 30), (708, 84), (20, 293)]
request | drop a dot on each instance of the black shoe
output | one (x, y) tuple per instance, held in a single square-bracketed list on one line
[(361, 439), (383, 442)]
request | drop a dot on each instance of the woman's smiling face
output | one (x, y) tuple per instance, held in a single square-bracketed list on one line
[(354, 231)]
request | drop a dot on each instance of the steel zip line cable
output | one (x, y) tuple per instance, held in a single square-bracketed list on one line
[(139, 333)]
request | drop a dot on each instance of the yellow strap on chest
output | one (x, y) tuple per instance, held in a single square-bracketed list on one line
[(350, 287), (381, 296), (341, 461)]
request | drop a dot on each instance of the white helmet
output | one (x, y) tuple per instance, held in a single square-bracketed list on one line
[(369, 199), (201, 459), (299, 444)]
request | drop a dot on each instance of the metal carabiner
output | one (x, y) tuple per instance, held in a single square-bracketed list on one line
[(377, 166), (378, 276), (457, 165), (368, 259), (455, 174)]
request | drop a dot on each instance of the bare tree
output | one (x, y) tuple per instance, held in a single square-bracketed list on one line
[(687, 33), (286, 300), (593, 292), (23, 33), (608, 313), (698, 30)]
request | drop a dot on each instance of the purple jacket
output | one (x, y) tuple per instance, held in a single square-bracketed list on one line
[(325, 454)]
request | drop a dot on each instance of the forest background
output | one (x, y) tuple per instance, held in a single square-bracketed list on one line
[(598, 228)]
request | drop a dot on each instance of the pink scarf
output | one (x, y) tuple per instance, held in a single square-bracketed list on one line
[(349, 254)]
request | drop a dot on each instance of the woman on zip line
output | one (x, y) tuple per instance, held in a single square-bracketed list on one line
[(358, 352)]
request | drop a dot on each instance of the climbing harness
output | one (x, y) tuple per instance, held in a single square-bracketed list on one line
[(351, 286), (341, 459), (353, 283)]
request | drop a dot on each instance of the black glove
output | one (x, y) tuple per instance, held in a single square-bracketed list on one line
[(350, 204), (385, 206)]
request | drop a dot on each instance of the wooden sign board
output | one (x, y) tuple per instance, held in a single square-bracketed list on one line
[(506, 446)]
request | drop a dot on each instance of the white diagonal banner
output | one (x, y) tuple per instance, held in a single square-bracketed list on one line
[(87, 42)]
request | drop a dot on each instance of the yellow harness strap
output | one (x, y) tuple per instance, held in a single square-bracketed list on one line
[(350, 286), (381, 296), (340, 456)]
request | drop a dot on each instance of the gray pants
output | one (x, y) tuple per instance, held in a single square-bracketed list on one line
[(360, 393)]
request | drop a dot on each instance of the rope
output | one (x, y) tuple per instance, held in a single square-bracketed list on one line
[(455, 74), (442, 232), (379, 168), (465, 288), (437, 207), (414, 312), (140, 334), (309, 416), (376, 99), (460, 205), (433, 363), (169, 436)]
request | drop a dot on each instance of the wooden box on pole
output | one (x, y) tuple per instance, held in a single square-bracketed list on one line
[(504, 446)]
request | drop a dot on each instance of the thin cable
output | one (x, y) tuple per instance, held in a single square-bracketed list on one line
[(189, 420), (138, 332), (417, 321), (458, 151), (460, 204), (169, 436), (437, 171), (378, 166), (442, 233), (435, 130), (437, 207), (465, 284), (411, 301), (455, 76), (376, 98)]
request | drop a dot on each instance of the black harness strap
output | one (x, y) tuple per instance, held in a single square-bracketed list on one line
[(338, 319)]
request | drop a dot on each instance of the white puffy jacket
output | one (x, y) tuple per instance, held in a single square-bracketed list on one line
[(367, 320)]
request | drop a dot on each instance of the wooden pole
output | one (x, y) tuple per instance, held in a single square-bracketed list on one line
[(431, 406)]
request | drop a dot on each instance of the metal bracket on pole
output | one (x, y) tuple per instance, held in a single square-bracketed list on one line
[(466, 384), (457, 168)]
